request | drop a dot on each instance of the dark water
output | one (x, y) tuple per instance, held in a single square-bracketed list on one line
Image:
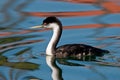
[(22, 49)]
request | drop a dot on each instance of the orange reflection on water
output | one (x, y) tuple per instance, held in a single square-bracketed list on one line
[(111, 7), (17, 44), (3, 34), (91, 26), (78, 1), (108, 7), (66, 14)]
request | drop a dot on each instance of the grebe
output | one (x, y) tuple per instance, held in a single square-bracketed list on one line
[(68, 50)]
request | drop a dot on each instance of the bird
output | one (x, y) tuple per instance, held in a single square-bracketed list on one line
[(67, 50)]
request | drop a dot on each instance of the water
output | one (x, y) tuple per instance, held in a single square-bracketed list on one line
[(22, 49)]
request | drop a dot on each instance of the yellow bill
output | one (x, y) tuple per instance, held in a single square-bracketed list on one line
[(41, 26)]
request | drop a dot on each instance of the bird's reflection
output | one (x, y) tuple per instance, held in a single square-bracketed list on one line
[(56, 71), (65, 60)]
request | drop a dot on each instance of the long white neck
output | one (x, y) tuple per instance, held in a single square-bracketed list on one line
[(54, 40)]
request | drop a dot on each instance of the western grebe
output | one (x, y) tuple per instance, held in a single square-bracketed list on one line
[(68, 50)]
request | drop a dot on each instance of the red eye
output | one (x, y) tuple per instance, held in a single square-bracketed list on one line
[(44, 23)]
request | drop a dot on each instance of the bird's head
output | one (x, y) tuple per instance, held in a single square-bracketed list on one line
[(49, 22)]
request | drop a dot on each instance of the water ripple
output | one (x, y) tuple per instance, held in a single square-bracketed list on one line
[(12, 13), (19, 43)]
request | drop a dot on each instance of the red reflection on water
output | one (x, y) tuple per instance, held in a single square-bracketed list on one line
[(111, 7), (66, 14), (78, 1), (91, 26), (115, 1), (108, 7), (109, 37), (3, 34), (17, 44)]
